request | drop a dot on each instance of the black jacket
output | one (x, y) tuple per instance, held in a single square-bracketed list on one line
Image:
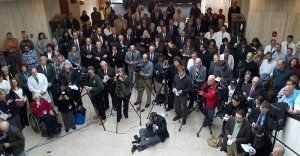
[(254, 115), (64, 105), (162, 131), (263, 145), (50, 72)]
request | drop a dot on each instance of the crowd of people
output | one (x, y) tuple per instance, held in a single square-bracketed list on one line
[(150, 50)]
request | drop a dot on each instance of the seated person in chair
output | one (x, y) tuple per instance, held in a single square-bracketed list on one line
[(156, 131), (42, 109)]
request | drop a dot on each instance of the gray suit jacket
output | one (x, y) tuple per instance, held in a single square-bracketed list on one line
[(128, 59), (201, 71)]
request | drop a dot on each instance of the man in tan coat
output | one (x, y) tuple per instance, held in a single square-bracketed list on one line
[(118, 23)]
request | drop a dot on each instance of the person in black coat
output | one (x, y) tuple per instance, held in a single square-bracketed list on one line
[(86, 53), (115, 57), (156, 123), (107, 74), (72, 22), (199, 41), (250, 65), (65, 104), (99, 54), (260, 116), (181, 40), (261, 142), (205, 56), (234, 9), (195, 11)]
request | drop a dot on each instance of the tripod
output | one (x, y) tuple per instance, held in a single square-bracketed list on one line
[(93, 102), (155, 100), (138, 80), (136, 111)]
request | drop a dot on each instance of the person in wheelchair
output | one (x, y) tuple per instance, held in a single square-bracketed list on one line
[(42, 109), (65, 104)]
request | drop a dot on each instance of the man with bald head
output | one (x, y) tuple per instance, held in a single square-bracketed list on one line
[(14, 142), (107, 74), (131, 59), (280, 75), (251, 91), (197, 74), (208, 91), (278, 151), (250, 65)]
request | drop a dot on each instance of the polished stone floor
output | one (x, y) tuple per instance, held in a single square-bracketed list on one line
[(90, 139)]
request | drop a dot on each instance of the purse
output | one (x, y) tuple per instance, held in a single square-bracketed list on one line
[(19, 104)]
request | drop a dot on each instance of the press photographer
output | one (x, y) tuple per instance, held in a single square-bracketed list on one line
[(198, 75), (156, 131), (123, 93), (208, 91), (145, 81), (65, 104), (12, 140), (94, 86)]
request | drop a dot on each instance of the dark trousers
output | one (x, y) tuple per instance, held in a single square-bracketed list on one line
[(209, 116), (28, 94), (15, 59), (98, 103), (181, 106), (51, 123), (170, 97), (125, 101), (110, 91), (193, 97), (23, 115)]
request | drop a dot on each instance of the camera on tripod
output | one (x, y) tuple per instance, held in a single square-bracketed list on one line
[(197, 84), (139, 66), (83, 75)]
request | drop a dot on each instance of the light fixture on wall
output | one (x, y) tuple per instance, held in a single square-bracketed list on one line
[(81, 2)]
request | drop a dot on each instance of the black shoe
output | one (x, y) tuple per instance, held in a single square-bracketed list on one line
[(67, 130), (221, 135), (136, 137), (147, 105), (119, 119), (74, 128), (221, 149), (183, 122), (138, 102), (126, 116), (176, 118), (134, 148), (169, 108)]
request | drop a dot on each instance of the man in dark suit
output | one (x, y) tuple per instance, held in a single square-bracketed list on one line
[(181, 40), (132, 22), (205, 56), (200, 27), (199, 41), (107, 74), (164, 36), (113, 37), (76, 41), (156, 131), (14, 140), (99, 54), (234, 9), (98, 36), (156, 15), (128, 14), (152, 55), (251, 91), (72, 22), (86, 53), (59, 47), (159, 46), (241, 52), (129, 37), (49, 72), (260, 116), (237, 131), (172, 30)]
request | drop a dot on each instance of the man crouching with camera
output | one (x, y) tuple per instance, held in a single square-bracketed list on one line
[(123, 93), (156, 131)]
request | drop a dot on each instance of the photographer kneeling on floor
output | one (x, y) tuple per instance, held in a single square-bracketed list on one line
[(156, 131)]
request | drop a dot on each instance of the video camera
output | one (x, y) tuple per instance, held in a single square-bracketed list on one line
[(139, 66), (83, 75)]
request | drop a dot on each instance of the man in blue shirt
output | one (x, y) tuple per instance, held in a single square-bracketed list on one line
[(280, 75), (259, 116), (278, 54)]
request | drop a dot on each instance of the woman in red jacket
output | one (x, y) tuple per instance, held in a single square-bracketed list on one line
[(208, 91), (43, 110)]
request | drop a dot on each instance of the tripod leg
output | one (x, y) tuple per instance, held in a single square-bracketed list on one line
[(198, 133), (210, 130), (117, 126), (180, 128), (151, 109)]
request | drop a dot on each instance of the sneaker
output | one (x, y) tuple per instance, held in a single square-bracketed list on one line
[(176, 118), (147, 105), (138, 102), (102, 122), (96, 117)]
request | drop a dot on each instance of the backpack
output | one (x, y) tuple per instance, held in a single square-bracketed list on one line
[(214, 141), (79, 119)]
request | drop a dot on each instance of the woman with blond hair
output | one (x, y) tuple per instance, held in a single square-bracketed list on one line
[(146, 40)]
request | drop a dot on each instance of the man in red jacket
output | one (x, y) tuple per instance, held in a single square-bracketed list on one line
[(208, 92)]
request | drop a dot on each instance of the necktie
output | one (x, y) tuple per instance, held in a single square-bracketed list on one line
[(198, 28), (259, 119), (171, 30), (251, 90), (76, 43), (276, 57), (151, 57), (164, 36), (182, 40), (105, 73), (128, 38), (36, 79), (132, 58), (287, 46), (45, 70)]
